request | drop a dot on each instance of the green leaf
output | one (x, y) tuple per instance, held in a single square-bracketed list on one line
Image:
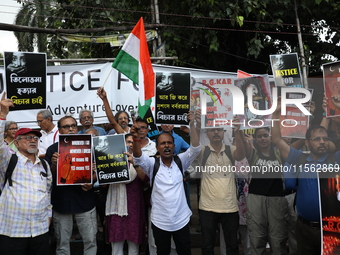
[(239, 20)]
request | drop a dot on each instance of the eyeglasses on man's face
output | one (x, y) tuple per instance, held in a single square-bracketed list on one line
[(123, 118), (86, 118), (12, 129), (69, 126), (29, 138), (39, 121)]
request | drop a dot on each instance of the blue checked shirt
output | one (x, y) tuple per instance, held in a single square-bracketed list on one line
[(26, 206)]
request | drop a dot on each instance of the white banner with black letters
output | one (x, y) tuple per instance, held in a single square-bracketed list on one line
[(70, 88)]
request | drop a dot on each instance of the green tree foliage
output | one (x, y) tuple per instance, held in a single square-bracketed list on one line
[(90, 14), (218, 35), (32, 14), (250, 32)]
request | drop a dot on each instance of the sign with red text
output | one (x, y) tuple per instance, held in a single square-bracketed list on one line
[(331, 80), (75, 160), (329, 186), (295, 118), (213, 97)]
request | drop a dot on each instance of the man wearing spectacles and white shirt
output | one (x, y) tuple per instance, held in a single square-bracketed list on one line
[(49, 131), (25, 207), (72, 201)]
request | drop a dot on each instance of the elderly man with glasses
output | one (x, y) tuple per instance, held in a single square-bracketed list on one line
[(49, 131), (86, 120), (25, 207)]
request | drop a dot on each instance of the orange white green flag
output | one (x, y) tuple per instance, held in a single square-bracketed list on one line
[(134, 62)]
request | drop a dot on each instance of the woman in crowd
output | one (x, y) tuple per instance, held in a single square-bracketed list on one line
[(11, 127), (125, 218)]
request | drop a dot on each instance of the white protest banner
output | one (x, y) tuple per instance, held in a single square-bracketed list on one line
[(71, 88)]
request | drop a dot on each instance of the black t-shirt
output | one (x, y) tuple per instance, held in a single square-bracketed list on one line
[(70, 198), (268, 183)]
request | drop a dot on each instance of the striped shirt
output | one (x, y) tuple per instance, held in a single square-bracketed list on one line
[(26, 205)]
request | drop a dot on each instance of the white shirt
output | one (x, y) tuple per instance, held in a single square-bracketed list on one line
[(169, 211), (47, 139), (150, 148)]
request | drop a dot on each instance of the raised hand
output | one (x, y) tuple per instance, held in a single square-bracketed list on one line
[(101, 92), (236, 123), (324, 104), (134, 130), (4, 106)]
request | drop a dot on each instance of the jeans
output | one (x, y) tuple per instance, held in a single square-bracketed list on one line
[(87, 225), (209, 223)]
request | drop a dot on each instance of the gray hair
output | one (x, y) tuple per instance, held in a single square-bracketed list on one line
[(8, 123), (46, 114), (96, 132), (85, 110)]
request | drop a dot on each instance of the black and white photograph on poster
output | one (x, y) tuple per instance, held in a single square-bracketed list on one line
[(26, 79), (286, 70), (111, 162), (172, 98), (261, 100)]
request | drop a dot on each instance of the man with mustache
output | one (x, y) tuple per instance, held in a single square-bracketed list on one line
[(180, 144), (72, 201), (304, 180), (170, 213), (147, 146), (122, 118), (218, 199), (25, 207), (86, 120)]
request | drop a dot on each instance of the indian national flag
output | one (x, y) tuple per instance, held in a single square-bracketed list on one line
[(134, 62)]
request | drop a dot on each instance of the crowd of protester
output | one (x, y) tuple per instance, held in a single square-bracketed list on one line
[(264, 210)]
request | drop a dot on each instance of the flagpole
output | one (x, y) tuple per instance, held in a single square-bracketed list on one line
[(107, 77)]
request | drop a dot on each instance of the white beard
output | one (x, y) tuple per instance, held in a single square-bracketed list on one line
[(32, 150)]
